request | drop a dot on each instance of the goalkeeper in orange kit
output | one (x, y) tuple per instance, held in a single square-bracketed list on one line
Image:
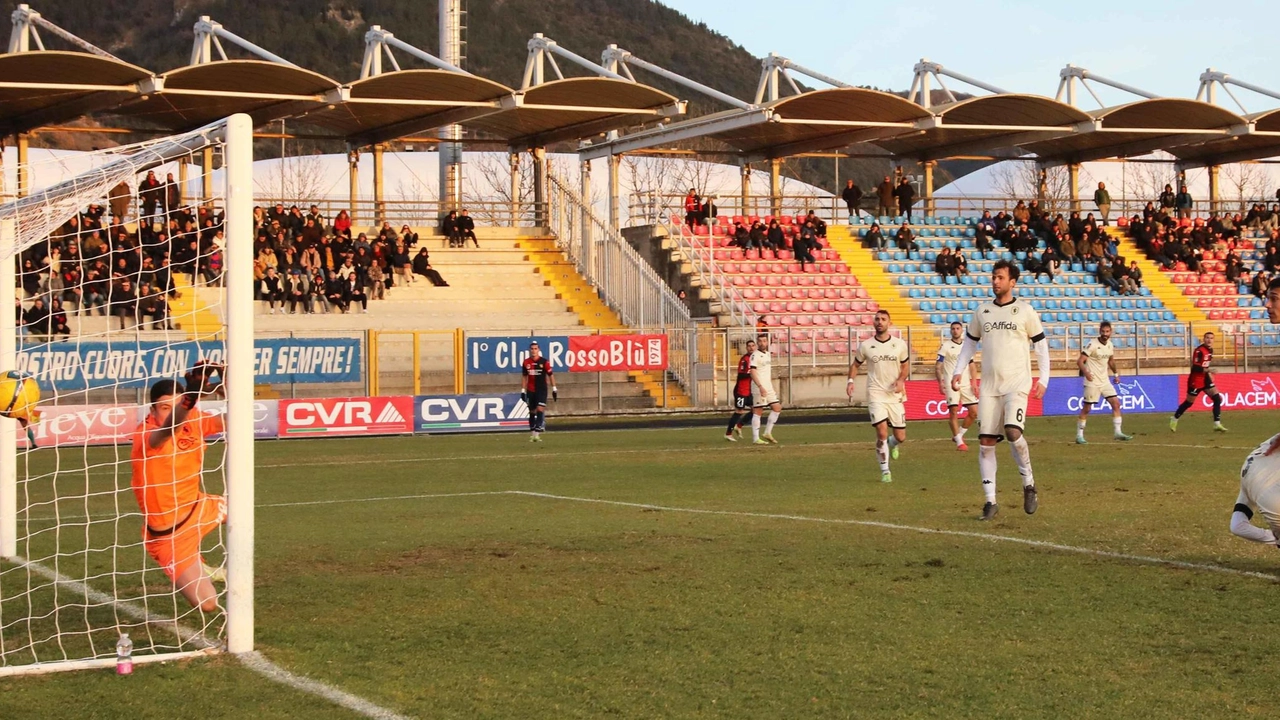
[(168, 462)]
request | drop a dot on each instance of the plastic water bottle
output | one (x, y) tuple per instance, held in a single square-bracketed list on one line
[(124, 655)]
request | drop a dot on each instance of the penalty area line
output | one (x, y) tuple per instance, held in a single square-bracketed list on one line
[(1043, 544)]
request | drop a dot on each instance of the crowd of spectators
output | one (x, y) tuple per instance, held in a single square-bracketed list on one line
[(1174, 240), (812, 231)]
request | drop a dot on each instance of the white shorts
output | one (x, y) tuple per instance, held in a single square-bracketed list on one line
[(765, 400), (963, 396), (995, 412), (1260, 485), (893, 412), (1093, 392)]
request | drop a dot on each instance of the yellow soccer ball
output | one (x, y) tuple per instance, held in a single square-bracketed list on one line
[(19, 394)]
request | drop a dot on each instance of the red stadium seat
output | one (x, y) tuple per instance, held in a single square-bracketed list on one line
[(804, 320)]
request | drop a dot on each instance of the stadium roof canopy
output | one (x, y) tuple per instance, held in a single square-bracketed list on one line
[(1263, 142), (41, 88)]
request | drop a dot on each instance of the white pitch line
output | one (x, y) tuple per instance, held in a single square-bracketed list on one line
[(1144, 559), (254, 660), (340, 501)]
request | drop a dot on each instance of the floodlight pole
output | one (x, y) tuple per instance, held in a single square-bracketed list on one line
[(209, 35), (450, 148)]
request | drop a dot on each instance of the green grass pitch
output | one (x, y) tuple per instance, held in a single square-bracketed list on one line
[(397, 569)]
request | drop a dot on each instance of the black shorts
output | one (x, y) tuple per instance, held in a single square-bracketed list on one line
[(742, 402), (535, 399)]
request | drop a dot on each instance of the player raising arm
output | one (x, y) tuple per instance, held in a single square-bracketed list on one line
[(168, 462), (1005, 328), (1097, 365)]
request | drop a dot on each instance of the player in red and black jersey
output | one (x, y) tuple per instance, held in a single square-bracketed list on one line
[(1201, 381), (536, 378), (741, 395)]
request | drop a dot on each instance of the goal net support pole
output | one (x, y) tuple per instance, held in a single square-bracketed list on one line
[(8, 426)]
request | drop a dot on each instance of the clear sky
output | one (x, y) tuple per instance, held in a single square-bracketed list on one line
[(1161, 47)]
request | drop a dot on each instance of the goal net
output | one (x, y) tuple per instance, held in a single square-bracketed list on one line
[(129, 266)]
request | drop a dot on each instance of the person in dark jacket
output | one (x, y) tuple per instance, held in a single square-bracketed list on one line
[(851, 195), (885, 198), (875, 238), (36, 317), (906, 239), (334, 292), (945, 264), (422, 266), (775, 237), (353, 293), (297, 293), (451, 229), (467, 229), (804, 245), (906, 195), (819, 227)]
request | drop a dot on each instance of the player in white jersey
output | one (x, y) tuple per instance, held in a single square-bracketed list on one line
[(1259, 490), (967, 395), (1097, 365), (888, 361), (765, 395), (1006, 328)]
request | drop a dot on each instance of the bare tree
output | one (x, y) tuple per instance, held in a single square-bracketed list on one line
[(290, 180), (1243, 184), (487, 187), (416, 198), (1144, 181), (1020, 180)]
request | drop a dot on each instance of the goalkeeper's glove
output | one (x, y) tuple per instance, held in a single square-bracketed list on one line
[(555, 395), (524, 396)]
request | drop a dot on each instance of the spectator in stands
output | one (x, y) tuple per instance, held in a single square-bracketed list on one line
[(272, 290), (123, 302), (741, 236), (1182, 201), (1022, 240), (1168, 201), (467, 227), (852, 196), (874, 238), (1128, 286), (334, 293), (152, 308), (342, 224), (347, 268), (757, 235), (982, 234), (1258, 286), (172, 196), (885, 198), (94, 289), (1271, 261), (318, 289), (1102, 200), (1066, 248), (819, 226), (315, 216), (377, 280), (805, 243), (352, 293), (709, 211), (1233, 268), (1135, 276), (962, 263), (906, 239), (296, 292), (151, 193), (36, 317), (72, 289), (1021, 215), (775, 237), (451, 229), (692, 208), (410, 238), (118, 199), (1106, 276), (422, 266), (1048, 264), (58, 324), (945, 264), (906, 195), (30, 278), (402, 264)]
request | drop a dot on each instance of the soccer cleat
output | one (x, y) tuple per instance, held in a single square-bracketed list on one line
[(962, 447), (737, 431), (886, 477), (1029, 500), (1173, 424), (758, 441), (769, 439), (1122, 437), (989, 511), (730, 437), (1081, 441), (1217, 427), (893, 452)]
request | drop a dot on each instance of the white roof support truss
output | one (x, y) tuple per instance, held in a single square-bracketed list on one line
[(25, 33), (1211, 79), (379, 42), (925, 72)]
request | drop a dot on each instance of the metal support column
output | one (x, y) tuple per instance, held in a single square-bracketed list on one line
[(514, 161), (24, 169), (614, 185), (1215, 189), (541, 218), (746, 189), (1073, 180), (775, 186), (379, 206), (206, 175), (353, 183), (928, 186), (183, 175), (584, 219)]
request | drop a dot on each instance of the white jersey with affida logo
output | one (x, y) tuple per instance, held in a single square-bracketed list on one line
[(1006, 333)]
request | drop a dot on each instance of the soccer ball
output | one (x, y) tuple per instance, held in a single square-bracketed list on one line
[(19, 394)]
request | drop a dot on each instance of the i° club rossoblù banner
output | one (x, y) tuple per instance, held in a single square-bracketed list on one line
[(470, 413), (328, 417), (569, 353), (70, 366)]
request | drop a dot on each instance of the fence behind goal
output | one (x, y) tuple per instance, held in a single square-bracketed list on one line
[(74, 572)]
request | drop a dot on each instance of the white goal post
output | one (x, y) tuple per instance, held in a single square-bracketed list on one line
[(75, 572)]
